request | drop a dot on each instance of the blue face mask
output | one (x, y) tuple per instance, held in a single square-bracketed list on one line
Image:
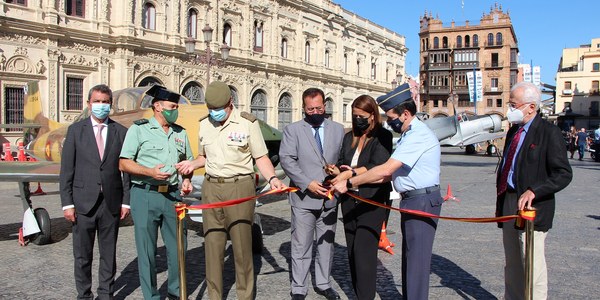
[(100, 110), (396, 125), (218, 115)]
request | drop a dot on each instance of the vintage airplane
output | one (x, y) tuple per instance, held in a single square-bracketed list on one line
[(129, 104)]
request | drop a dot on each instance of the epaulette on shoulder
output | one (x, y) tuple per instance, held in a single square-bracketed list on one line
[(140, 121), (203, 117), (248, 116)]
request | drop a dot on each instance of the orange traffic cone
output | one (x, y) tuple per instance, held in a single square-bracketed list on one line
[(39, 191), (449, 195), (21, 154), (384, 242), (7, 152)]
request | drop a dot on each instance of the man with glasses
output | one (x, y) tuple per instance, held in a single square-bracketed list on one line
[(533, 169), (307, 148), (229, 142)]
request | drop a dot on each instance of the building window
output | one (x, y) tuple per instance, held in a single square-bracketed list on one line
[(490, 102), (307, 52), (358, 68), (20, 2), (13, 110), (194, 92), (74, 93), (498, 102), (475, 40), (192, 23), (326, 59), (567, 85), (595, 67), (436, 42), (444, 103), (594, 87), (494, 60), (513, 78), (328, 107), (284, 46), (258, 105), (345, 112), (76, 8), (227, 34), (499, 38), (459, 41), (445, 42), (490, 39), (494, 84), (258, 36), (435, 103), (345, 63), (373, 70), (467, 41), (149, 16), (150, 80), (284, 111)]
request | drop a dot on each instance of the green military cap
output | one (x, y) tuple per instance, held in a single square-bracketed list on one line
[(217, 94)]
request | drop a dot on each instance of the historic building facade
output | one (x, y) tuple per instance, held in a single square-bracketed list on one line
[(277, 50), (449, 53), (577, 86)]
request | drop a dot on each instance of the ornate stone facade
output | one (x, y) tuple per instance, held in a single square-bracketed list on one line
[(299, 44)]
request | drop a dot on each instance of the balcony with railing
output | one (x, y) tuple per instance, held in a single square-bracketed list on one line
[(466, 65), (461, 89), (439, 66), (493, 89), (493, 64), (439, 90)]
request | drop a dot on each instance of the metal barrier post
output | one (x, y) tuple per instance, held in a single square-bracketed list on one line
[(529, 216), (181, 255)]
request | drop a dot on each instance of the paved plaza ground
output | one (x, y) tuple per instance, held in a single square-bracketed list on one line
[(467, 259)]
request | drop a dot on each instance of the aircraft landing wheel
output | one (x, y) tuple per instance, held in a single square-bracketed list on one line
[(257, 236), (470, 149), (491, 150), (43, 219)]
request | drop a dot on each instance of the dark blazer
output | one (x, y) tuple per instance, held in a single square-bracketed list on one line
[(82, 173), (376, 152), (542, 166)]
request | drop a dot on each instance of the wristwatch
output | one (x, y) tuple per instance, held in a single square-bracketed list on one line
[(353, 172), (348, 184)]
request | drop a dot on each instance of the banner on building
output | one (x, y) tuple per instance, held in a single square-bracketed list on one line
[(527, 73), (537, 77), (475, 79)]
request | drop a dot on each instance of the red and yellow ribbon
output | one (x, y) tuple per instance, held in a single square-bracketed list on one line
[(181, 210), (527, 215)]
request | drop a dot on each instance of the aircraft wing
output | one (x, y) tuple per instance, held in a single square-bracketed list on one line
[(42, 171)]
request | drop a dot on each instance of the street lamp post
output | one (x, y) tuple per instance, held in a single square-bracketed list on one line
[(208, 57)]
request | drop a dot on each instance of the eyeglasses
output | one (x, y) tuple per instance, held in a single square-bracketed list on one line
[(319, 109), (514, 105)]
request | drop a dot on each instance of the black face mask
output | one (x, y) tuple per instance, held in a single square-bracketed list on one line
[(360, 124), (314, 119), (396, 125)]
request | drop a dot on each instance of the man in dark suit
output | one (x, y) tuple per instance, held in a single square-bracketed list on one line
[(307, 147), (533, 169), (94, 193)]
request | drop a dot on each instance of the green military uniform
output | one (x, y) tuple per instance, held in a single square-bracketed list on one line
[(229, 149), (152, 201)]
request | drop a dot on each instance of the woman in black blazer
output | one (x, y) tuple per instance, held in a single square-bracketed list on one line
[(367, 145)]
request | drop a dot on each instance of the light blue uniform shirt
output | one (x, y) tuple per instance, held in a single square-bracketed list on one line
[(512, 167), (419, 151)]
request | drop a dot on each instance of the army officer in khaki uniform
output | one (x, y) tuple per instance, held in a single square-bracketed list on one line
[(229, 141), (150, 151)]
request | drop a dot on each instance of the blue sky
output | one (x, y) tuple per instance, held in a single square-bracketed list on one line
[(543, 28)]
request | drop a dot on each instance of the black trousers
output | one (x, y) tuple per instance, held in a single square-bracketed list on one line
[(106, 225), (362, 226)]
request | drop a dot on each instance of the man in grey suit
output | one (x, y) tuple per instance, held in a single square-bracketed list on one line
[(307, 147), (93, 192)]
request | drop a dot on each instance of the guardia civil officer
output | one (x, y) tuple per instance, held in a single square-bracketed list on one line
[(414, 168), (229, 141), (150, 151)]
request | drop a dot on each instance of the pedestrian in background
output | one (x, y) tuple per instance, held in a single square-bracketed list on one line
[(572, 137), (534, 168), (308, 146), (150, 151), (367, 145), (582, 142), (230, 141), (94, 193)]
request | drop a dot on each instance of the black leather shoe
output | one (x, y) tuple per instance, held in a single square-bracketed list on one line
[(172, 297), (329, 294), (298, 297)]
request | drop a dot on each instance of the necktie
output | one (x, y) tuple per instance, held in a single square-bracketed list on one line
[(318, 138), (512, 150), (100, 140)]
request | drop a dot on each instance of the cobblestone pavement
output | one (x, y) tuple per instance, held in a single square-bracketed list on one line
[(467, 262)]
